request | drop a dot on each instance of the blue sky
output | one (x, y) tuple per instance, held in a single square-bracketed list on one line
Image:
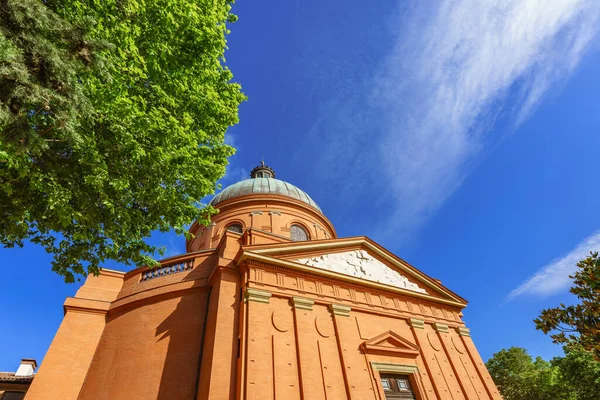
[(463, 137)]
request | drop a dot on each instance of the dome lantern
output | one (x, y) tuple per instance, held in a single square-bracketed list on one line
[(262, 171)]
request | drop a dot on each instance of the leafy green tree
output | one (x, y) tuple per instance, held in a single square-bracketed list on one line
[(519, 377), (579, 324), (580, 371), (112, 122)]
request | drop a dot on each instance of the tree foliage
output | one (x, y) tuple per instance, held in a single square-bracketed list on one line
[(581, 372), (579, 324), (576, 376), (112, 122), (519, 377)]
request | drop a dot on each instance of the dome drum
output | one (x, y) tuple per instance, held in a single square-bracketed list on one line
[(266, 204)]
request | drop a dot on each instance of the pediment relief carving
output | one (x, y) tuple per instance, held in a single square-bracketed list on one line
[(391, 343), (360, 264)]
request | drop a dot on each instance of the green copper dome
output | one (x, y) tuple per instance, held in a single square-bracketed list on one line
[(263, 181), (266, 185)]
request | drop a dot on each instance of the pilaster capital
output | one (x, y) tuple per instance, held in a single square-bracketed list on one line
[(258, 212), (302, 303), (260, 296), (417, 323), (339, 309), (274, 212), (463, 331), (440, 327)]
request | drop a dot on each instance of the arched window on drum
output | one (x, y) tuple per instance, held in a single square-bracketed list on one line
[(298, 233), (235, 228)]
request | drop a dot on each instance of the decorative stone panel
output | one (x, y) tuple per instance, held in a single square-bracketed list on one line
[(360, 264)]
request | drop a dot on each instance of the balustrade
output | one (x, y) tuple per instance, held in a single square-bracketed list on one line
[(167, 270)]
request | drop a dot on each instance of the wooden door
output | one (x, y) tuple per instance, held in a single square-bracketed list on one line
[(396, 387)]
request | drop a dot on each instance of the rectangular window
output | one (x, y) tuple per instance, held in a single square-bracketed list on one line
[(396, 387)]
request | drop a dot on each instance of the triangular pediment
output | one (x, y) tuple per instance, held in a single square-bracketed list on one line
[(390, 342), (360, 260)]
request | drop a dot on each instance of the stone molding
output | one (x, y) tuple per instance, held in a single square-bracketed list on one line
[(274, 212), (395, 368), (260, 296), (443, 328), (86, 305), (341, 310), (417, 323), (302, 303), (463, 331)]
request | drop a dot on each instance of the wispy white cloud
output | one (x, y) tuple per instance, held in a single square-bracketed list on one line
[(554, 277), (456, 67), (451, 74)]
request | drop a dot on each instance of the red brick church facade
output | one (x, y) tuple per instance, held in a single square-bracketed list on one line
[(267, 303)]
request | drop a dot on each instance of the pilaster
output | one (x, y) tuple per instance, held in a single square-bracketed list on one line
[(218, 377)]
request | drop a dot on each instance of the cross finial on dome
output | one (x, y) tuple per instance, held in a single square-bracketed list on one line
[(262, 171)]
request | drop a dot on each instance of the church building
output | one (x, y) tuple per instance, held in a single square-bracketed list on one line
[(267, 303)]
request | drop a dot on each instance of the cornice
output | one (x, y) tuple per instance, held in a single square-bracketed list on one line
[(112, 273), (86, 305)]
